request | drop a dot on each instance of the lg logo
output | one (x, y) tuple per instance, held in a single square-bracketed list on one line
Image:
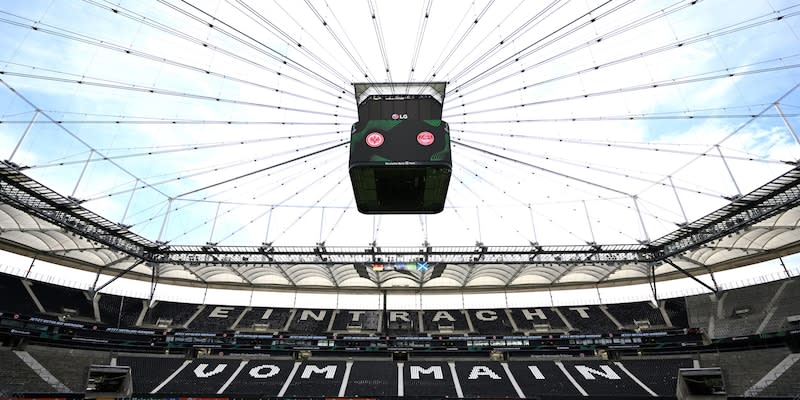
[(399, 116)]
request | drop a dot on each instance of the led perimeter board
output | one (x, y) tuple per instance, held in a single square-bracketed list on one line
[(400, 161)]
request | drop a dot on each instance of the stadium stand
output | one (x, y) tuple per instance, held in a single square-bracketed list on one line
[(675, 310), (316, 378), (264, 319), (217, 318), (735, 313), (659, 375), (490, 322), (785, 313), (537, 382), (149, 372), (63, 301), (17, 377), (62, 363), (484, 379), (465, 377), (588, 319), (427, 379), (700, 310), (262, 377), (15, 297), (168, 314), (357, 321), (372, 378), (606, 378), (119, 311), (641, 315), (310, 322), (741, 311), (538, 320), (743, 369), (403, 323), (787, 384), (444, 321)]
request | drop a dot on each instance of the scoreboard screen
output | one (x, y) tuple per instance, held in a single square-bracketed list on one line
[(400, 166)]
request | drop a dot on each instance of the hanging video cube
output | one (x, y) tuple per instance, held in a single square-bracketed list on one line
[(400, 161)]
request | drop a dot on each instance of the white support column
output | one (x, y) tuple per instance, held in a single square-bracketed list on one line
[(83, 171), (589, 221), (425, 229), (130, 200), (269, 220), (374, 230), (725, 162), (641, 220), (321, 224), (533, 224), (683, 212), (166, 218), (478, 217), (214, 224), (24, 135), (786, 122)]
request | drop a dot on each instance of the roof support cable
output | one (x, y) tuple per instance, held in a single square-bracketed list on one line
[(423, 24), (162, 121), (76, 137), (288, 39), (278, 56), (671, 115), (236, 206), (627, 174), (510, 59), (729, 29), (97, 82), (214, 168), (740, 128), (361, 66), (540, 168), (689, 275), (439, 64), (541, 15), (373, 10), (208, 198), (643, 146), (338, 220), (298, 219), (686, 80), (520, 201), (95, 290), (261, 170), (151, 22), (186, 148), (588, 44)]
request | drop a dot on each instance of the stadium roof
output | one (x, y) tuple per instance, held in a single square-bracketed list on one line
[(594, 143)]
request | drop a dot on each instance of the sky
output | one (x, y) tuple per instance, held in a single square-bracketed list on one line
[(572, 122)]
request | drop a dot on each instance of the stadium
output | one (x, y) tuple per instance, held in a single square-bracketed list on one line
[(419, 199)]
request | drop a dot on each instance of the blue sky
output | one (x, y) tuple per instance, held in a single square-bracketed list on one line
[(120, 58)]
